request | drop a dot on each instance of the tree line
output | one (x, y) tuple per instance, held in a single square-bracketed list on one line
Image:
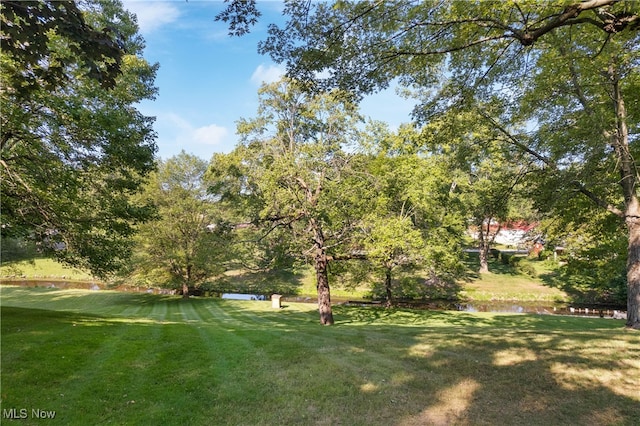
[(518, 101)]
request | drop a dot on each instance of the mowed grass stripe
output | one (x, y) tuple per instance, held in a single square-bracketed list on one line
[(107, 386), (95, 302), (206, 361)]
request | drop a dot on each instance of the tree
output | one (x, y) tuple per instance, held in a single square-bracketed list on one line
[(74, 148), (413, 223), (297, 182), (568, 70), (187, 243), (30, 27), (593, 251), (488, 172)]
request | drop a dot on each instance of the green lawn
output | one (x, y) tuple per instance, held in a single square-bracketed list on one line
[(116, 358), (42, 268), (497, 286), (507, 282)]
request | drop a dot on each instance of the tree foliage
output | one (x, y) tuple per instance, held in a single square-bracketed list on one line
[(188, 242), (592, 247), (29, 28), (488, 173), (412, 230), (240, 15), (558, 79), (294, 179), (74, 147)]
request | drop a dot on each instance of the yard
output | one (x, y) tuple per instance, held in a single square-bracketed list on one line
[(101, 357)]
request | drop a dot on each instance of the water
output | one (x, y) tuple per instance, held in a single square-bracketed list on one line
[(522, 308), (242, 296), (61, 285)]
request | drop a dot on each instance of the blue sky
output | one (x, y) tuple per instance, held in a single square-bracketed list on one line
[(208, 80)]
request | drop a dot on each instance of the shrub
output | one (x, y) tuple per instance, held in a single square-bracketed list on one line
[(527, 269)]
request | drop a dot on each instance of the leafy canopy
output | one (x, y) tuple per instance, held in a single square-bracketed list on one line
[(187, 243), (74, 147)]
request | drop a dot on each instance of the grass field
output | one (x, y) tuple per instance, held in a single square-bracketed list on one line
[(116, 358)]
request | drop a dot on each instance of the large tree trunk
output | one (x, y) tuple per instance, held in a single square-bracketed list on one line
[(628, 182), (484, 262), (185, 290), (185, 284), (321, 262), (324, 294), (633, 270)]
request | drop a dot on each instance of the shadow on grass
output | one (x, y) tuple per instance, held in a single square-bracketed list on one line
[(408, 317), (472, 262), (602, 294), (239, 362)]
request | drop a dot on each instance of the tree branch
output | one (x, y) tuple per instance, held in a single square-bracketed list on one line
[(580, 187), (517, 143), (394, 54), (567, 17), (598, 201)]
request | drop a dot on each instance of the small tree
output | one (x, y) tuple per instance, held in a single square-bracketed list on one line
[(187, 243)]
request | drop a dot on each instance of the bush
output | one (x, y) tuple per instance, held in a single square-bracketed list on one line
[(527, 269), (545, 254)]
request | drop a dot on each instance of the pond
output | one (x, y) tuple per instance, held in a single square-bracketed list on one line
[(59, 284), (608, 311), (242, 296)]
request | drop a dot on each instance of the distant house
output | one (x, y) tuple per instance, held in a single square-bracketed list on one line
[(513, 233)]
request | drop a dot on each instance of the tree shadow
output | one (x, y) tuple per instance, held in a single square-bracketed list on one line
[(582, 290), (505, 369), (283, 282), (15, 250), (497, 265), (516, 375), (226, 360)]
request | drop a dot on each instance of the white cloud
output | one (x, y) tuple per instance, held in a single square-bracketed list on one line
[(152, 15), (183, 133), (210, 135), (267, 74), (178, 121)]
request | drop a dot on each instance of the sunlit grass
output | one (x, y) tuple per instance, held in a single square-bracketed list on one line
[(107, 357), (42, 268), (507, 283), (497, 287)]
